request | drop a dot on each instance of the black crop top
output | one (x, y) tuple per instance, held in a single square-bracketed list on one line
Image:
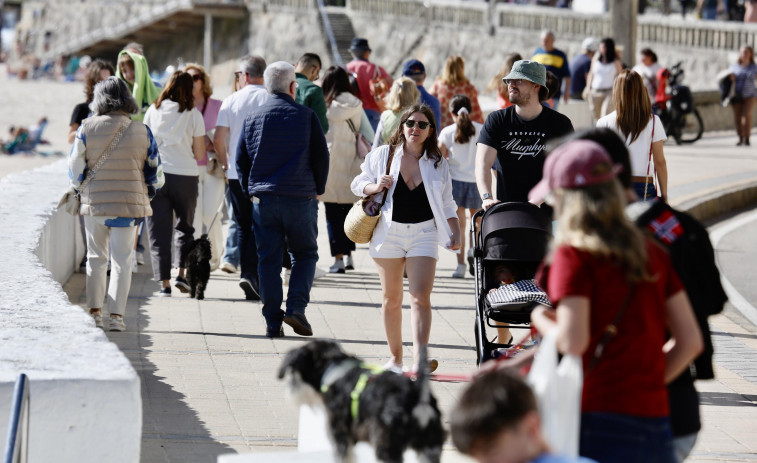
[(410, 206)]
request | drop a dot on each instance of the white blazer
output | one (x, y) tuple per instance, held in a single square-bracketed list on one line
[(438, 186)]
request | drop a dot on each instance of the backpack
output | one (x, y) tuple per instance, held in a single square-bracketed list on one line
[(379, 87)]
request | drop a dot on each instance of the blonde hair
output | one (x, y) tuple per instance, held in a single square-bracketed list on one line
[(404, 93), (632, 105), (454, 71), (207, 90), (593, 219)]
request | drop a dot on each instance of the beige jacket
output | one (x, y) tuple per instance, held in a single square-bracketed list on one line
[(119, 188), (344, 164)]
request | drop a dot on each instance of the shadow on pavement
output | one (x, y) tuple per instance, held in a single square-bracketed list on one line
[(727, 399)]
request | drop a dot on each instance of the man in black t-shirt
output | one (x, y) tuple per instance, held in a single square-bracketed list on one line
[(516, 136)]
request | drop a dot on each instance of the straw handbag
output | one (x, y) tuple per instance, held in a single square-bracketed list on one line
[(365, 213)]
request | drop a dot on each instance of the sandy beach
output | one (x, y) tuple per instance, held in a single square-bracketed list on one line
[(26, 101)]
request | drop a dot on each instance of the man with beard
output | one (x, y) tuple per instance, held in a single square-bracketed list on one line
[(516, 136)]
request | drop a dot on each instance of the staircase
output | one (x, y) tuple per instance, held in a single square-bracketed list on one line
[(342, 33)]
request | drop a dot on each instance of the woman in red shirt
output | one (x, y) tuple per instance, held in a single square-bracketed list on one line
[(603, 271)]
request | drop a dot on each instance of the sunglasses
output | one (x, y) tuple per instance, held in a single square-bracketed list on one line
[(421, 124), (197, 77), (237, 75), (516, 82)]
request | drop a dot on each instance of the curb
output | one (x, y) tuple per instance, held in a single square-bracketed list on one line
[(721, 202)]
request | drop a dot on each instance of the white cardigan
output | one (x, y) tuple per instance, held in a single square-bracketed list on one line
[(438, 186)]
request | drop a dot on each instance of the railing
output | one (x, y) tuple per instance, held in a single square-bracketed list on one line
[(17, 442), (335, 55)]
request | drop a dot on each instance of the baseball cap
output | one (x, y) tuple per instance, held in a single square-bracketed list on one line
[(576, 164), (590, 44), (413, 67), (528, 70), (359, 44)]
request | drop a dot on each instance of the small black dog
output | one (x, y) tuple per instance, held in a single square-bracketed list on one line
[(198, 267), (390, 411)]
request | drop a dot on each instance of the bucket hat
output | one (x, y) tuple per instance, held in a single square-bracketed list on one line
[(528, 70), (359, 44)]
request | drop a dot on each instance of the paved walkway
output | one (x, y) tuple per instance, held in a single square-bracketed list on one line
[(209, 374)]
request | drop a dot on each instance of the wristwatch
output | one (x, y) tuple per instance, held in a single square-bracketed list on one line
[(486, 196)]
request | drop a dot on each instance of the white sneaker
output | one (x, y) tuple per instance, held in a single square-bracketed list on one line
[(117, 324), (98, 319), (228, 267), (394, 367), (285, 277), (319, 272), (140, 258), (459, 271), (134, 268), (337, 267), (348, 263)]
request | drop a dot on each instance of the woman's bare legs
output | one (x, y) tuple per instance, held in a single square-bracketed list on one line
[(461, 218), (420, 278), (390, 272)]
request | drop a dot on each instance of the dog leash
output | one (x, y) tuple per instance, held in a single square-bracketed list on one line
[(467, 377), (213, 222)]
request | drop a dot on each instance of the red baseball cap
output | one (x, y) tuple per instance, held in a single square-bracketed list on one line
[(576, 164)]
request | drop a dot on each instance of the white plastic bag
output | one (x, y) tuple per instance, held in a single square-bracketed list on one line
[(558, 392)]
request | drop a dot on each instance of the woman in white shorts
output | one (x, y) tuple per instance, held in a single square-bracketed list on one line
[(419, 214)]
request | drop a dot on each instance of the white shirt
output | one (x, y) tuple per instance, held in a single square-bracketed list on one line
[(649, 75), (603, 75), (438, 186), (639, 149), (234, 110), (173, 132), (462, 157)]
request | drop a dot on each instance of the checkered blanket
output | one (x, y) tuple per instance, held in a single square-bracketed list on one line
[(520, 291)]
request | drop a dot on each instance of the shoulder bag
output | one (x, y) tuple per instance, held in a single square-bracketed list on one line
[(379, 88), (649, 161), (362, 145), (365, 213), (71, 200)]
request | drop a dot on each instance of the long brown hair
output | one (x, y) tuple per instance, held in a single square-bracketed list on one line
[(430, 144), (496, 82), (335, 82), (93, 76), (465, 129), (178, 89), (632, 106)]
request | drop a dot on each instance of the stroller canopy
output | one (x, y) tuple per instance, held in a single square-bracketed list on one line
[(515, 232)]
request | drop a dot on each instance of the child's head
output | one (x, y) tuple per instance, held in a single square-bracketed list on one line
[(126, 67), (512, 271), (496, 420)]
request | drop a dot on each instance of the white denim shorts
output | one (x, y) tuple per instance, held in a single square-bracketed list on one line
[(408, 240)]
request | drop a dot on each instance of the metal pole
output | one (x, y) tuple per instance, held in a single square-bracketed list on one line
[(624, 14), (207, 59)]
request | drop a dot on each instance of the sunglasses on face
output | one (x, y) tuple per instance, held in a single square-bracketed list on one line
[(516, 82), (197, 77), (421, 124)]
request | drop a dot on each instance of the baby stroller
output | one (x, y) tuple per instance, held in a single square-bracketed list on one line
[(513, 234)]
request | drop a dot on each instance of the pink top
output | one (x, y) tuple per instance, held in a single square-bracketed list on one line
[(209, 115)]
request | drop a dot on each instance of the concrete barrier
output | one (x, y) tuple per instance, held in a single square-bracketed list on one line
[(85, 395)]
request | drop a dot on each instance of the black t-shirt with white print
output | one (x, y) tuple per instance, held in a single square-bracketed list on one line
[(520, 148)]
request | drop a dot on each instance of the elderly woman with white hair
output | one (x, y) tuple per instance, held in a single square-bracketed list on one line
[(115, 166)]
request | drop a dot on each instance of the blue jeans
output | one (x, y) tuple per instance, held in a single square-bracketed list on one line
[(638, 187), (245, 235), (373, 117), (281, 221), (612, 437), (232, 242)]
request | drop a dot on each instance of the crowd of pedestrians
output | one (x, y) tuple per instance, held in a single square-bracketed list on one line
[(289, 138)]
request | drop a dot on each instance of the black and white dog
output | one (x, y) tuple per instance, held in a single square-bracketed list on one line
[(198, 267), (390, 411)]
